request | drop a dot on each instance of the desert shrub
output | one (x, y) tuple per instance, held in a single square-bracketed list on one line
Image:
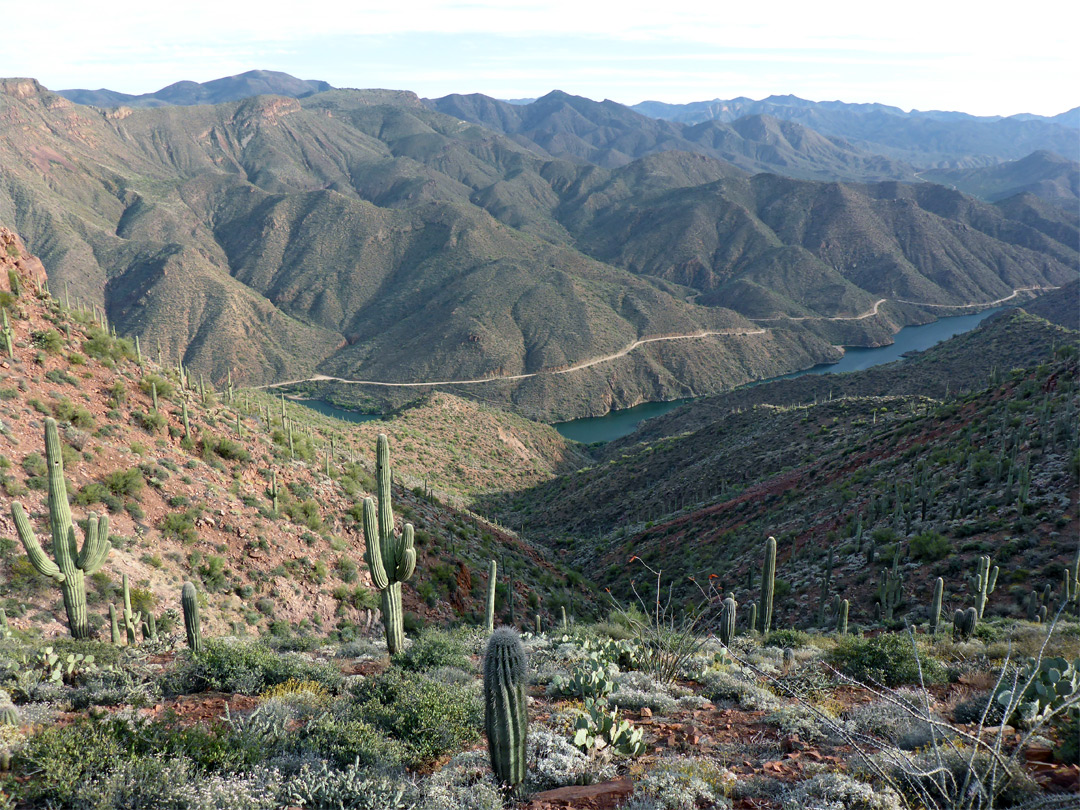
[(930, 546), (48, 340), (226, 448), (786, 638), (250, 667), (465, 783), (180, 525), (433, 649), (681, 783), (558, 763), (125, 482), (1067, 728), (727, 686), (165, 388), (152, 421), (971, 709), (104, 347), (838, 791), (906, 728), (67, 761), (889, 659), (346, 742), (319, 787), (429, 717)]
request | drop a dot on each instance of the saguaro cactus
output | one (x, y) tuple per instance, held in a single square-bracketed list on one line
[(391, 558), (505, 718), (131, 618), (935, 605), (72, 564), (983, 583), (489, 616), (768, 580), (727, 620), (841, 618), (114, 627), (189, 601), (753, 615)]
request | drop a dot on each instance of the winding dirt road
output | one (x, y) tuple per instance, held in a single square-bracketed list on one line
[(629, 348)]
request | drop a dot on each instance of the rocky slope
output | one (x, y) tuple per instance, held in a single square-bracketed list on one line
[(200, 507)]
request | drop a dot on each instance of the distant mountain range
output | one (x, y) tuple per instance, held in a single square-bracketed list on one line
[(372, 235), (186, 94), (1044, 174), (923, 139)]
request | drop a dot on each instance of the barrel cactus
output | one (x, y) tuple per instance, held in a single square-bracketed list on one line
[(189, 601), (505, 717), (72, 564), (391, 558)]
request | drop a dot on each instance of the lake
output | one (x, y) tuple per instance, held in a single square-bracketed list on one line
[(617, 424), (343, 414)]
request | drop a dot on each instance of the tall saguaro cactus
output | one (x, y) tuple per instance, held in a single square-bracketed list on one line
[(489, 615), (72, 564), (983, 583), (131, 617), (506, 721), (935, 605), (189, 601), (390, 558), (727, 620), (768, 580)]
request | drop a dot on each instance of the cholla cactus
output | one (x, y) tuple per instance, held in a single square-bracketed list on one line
[(391, 558), (506, 721), (72, 564)]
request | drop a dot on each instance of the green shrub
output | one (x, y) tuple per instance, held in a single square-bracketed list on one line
[(48, 340), (930, 546), (429, 717), (250, 667), (433, 649), (888, 659), (151, 422), (786, 638), (228, 449), (348, 741), (165, 388)]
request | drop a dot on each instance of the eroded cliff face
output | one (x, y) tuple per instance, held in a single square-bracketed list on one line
[(16, 264)]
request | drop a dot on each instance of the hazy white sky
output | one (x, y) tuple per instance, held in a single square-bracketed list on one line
[(925, 54)]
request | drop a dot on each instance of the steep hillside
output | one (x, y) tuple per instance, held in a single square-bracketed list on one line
[(1060, 306), (197, 503), (990, 471), (1048, 176)]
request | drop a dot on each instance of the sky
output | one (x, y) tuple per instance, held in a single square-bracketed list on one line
[(984, 59)]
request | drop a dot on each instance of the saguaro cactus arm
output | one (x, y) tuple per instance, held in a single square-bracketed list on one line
[(41, 562)]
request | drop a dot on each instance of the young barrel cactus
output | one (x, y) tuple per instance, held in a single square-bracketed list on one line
[(72, 564), (505, 718), (391, 558), (964, 622)]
